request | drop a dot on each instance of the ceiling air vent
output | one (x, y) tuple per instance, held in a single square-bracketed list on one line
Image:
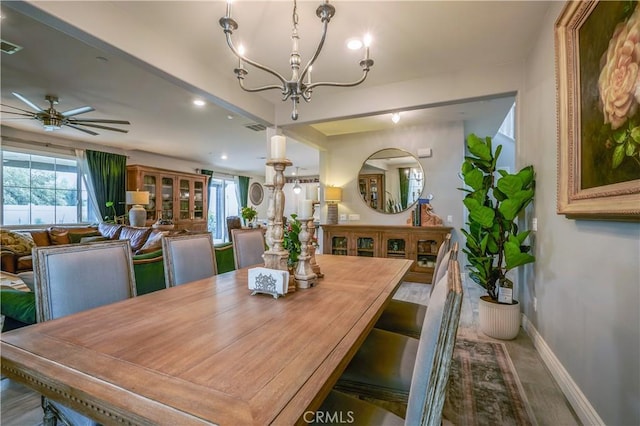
[(256, 127), (9, 48)]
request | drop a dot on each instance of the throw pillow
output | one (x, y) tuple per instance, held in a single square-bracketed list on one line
[(59, 237), (41, 238), (153, 243), (136, 236), (77, 237), (16, 241)]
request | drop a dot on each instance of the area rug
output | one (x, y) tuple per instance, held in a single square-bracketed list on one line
[(484, 388)]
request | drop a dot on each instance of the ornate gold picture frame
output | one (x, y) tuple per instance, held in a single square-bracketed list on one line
[(598, 104)]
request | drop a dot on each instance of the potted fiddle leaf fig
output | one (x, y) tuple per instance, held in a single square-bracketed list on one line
[(494, 243)]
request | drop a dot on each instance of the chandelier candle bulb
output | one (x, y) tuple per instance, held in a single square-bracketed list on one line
[(278, 147), (305, 209)]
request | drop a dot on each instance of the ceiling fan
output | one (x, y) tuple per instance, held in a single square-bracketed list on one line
[(54, 120)]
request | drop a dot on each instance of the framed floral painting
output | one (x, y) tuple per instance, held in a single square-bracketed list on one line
[(598, 105)]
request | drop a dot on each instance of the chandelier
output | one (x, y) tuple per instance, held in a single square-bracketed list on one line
[(296, 87)]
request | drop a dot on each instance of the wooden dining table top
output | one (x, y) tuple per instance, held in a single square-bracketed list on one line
[(207, 351)]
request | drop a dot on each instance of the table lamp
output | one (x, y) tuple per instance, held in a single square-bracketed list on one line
[(137, 213), (332, 195)]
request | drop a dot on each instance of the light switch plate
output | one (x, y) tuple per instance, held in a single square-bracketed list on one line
[(354, 217)]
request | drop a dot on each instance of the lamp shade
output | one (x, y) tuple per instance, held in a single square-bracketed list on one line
[(333, 193), (137, 197)]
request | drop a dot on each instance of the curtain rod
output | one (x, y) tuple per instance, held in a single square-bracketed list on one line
[(44, 144)]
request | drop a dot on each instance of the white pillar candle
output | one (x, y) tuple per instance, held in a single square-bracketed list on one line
[(278, 147), (305, 209), (269, 174)]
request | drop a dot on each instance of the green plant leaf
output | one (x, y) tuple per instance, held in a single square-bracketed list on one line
[(479, 148), (620, 135), (522, 236), (630, 149), (618, 156), (474, 178), (510, 185), (514, 257), (635, 134), (479, 213), (526, 174)]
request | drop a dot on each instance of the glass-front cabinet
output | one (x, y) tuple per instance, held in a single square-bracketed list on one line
[(180, 199), (396, 245), (339, 245), (416, 243)]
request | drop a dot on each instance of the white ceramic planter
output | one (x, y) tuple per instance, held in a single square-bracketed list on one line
[(498, 320)]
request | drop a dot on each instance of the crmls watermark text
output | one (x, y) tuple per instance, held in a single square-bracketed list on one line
[(330, 417)]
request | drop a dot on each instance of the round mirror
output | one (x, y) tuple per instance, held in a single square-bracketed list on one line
[(391, 181)]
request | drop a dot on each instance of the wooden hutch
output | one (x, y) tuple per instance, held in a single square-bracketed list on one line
[(175, 196), (416, 243)]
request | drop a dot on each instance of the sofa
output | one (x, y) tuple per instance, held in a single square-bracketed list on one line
[(18, 306)]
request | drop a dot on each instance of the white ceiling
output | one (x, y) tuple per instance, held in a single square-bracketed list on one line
[(412, 39)]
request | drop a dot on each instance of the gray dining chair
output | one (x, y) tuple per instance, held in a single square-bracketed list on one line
[(248, 247), (407, 317), (400, 364), (187, 258), (74, 278)]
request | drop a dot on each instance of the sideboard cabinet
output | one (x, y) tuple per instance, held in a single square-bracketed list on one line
[(179, 197), (416, 243)]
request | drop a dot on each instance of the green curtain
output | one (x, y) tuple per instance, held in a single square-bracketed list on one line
[(404, 186), (208, 173), (108, 172), (243, 190)]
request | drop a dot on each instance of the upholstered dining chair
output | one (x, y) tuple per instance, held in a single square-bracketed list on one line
[(407, 317), (385, 358), (74, 278), (233, 222), (188, 258), (248, 247)]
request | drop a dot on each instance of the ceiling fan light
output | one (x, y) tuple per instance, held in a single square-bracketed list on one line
[(297, 188)]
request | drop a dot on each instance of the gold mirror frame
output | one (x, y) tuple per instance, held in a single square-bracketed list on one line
[(379, 180)]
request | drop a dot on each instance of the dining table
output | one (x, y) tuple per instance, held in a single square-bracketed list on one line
[(207, 352)]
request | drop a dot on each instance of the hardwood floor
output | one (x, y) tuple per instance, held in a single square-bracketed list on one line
[(21, 406)]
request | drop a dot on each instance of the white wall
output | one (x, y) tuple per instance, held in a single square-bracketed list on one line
[(586, 278), (347, 153)]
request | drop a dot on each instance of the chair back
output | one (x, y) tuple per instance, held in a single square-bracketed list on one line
[(188, 258), (248, 247), (435, 350), (77, 277), (440, 261), (233, 222)]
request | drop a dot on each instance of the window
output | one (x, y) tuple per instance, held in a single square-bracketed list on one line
[(222, 203), (40, 189)]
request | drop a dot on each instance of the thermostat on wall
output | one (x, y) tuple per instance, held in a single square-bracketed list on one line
[(424, 152)]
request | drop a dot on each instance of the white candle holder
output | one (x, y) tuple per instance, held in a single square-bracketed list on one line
[(276, 257), (311, 248), (304, 275), (271, 215)]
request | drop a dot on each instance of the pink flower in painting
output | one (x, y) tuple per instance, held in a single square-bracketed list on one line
[(619, 77)]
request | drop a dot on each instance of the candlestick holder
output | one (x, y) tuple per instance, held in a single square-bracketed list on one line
[(276, 257), (271, 215), (305, 277), (311, 248)]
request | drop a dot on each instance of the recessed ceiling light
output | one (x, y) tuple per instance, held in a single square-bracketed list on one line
[(354, 43), (198, 102), (395, 117), (230, 117), (223, 156)]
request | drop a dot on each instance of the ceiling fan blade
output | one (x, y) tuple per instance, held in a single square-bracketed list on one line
[(24, 114), (77, 111), (19, 109), (27, 101), (82, 130), (100, 127), (88, 120)]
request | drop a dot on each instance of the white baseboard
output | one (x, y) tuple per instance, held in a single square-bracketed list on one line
[(579, 402)]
